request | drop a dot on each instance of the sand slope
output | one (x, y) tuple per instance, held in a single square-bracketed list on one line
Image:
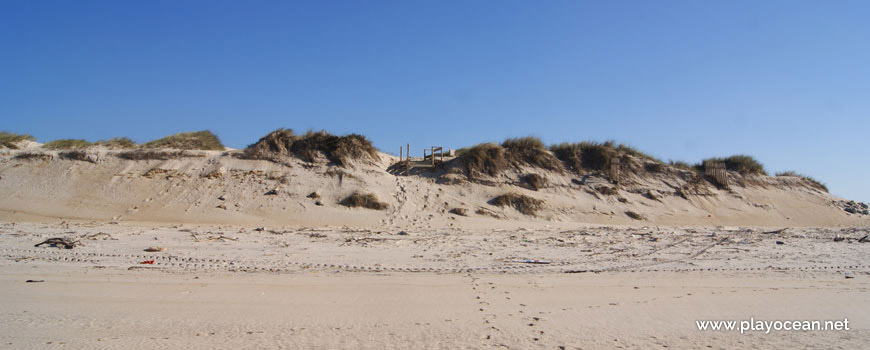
[(189, 189)]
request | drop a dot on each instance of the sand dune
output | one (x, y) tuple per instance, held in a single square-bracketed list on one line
[(245, 257)]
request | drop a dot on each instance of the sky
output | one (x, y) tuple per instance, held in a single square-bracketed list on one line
[(787, 82)]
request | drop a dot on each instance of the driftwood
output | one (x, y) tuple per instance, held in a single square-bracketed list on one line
[(221, 238), (56, 242)]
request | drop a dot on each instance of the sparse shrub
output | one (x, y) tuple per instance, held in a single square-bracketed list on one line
[(10, 140), (366, 200), (522, 203), (815, 183), (141, 154), (337, 149), (535, 181), (79, 155), (741, 163), (34, 156), (199, 140), (66, 144), (117, 143)]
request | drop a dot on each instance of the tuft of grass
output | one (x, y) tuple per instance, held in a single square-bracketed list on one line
[(654, 167), (535, 181), (117, 143), (530, 151), (141, 154), (522, 203), (34, 156), (570, 154), (10, 139), (679, 164), (340, 150), (815, 183), (67, 144), (364, 200), (635, 215), (741, 163), (596, 156), (199, 140), (485, 158), (492, 159), (607, 190), (593, 155), (275, 143)]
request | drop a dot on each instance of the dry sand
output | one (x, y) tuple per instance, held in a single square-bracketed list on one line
[(607, 287), (243, 269)]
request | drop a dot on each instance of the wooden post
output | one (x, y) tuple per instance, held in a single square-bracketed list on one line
[(432, 154), (614, 170), (408, 159), (400, 152)]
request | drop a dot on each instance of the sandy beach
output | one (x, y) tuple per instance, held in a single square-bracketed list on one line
[(281, 287)]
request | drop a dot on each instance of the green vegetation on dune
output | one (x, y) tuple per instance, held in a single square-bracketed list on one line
[(66, 144), (741, 163), (10, 140), (815, 183), (117, 143), (340, 150), (199, 140)]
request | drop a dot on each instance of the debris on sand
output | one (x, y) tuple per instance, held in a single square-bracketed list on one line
[(96, 236), (635, 215), (459, 211), (147, 262), (34, 281), (221, 238), (155, 249), (67, 243), (531, 261)]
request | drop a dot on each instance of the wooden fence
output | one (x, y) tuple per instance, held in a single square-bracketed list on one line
[(614, 169), (717, 171)]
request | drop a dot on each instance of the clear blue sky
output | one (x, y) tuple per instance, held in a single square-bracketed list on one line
[(785, 81)]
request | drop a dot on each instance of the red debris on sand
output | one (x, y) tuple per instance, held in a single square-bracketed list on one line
[(147, 262)]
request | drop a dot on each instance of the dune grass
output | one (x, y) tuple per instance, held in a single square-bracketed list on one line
[(522, 203), (67, 144), (340, 150), (741, 163), (10, 140), (531, 151), (679, 164), (570, 154), (815, 183), (364, 200), (117, 143), (492, 159), (485, 158), (535, 181), (198, 140)]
